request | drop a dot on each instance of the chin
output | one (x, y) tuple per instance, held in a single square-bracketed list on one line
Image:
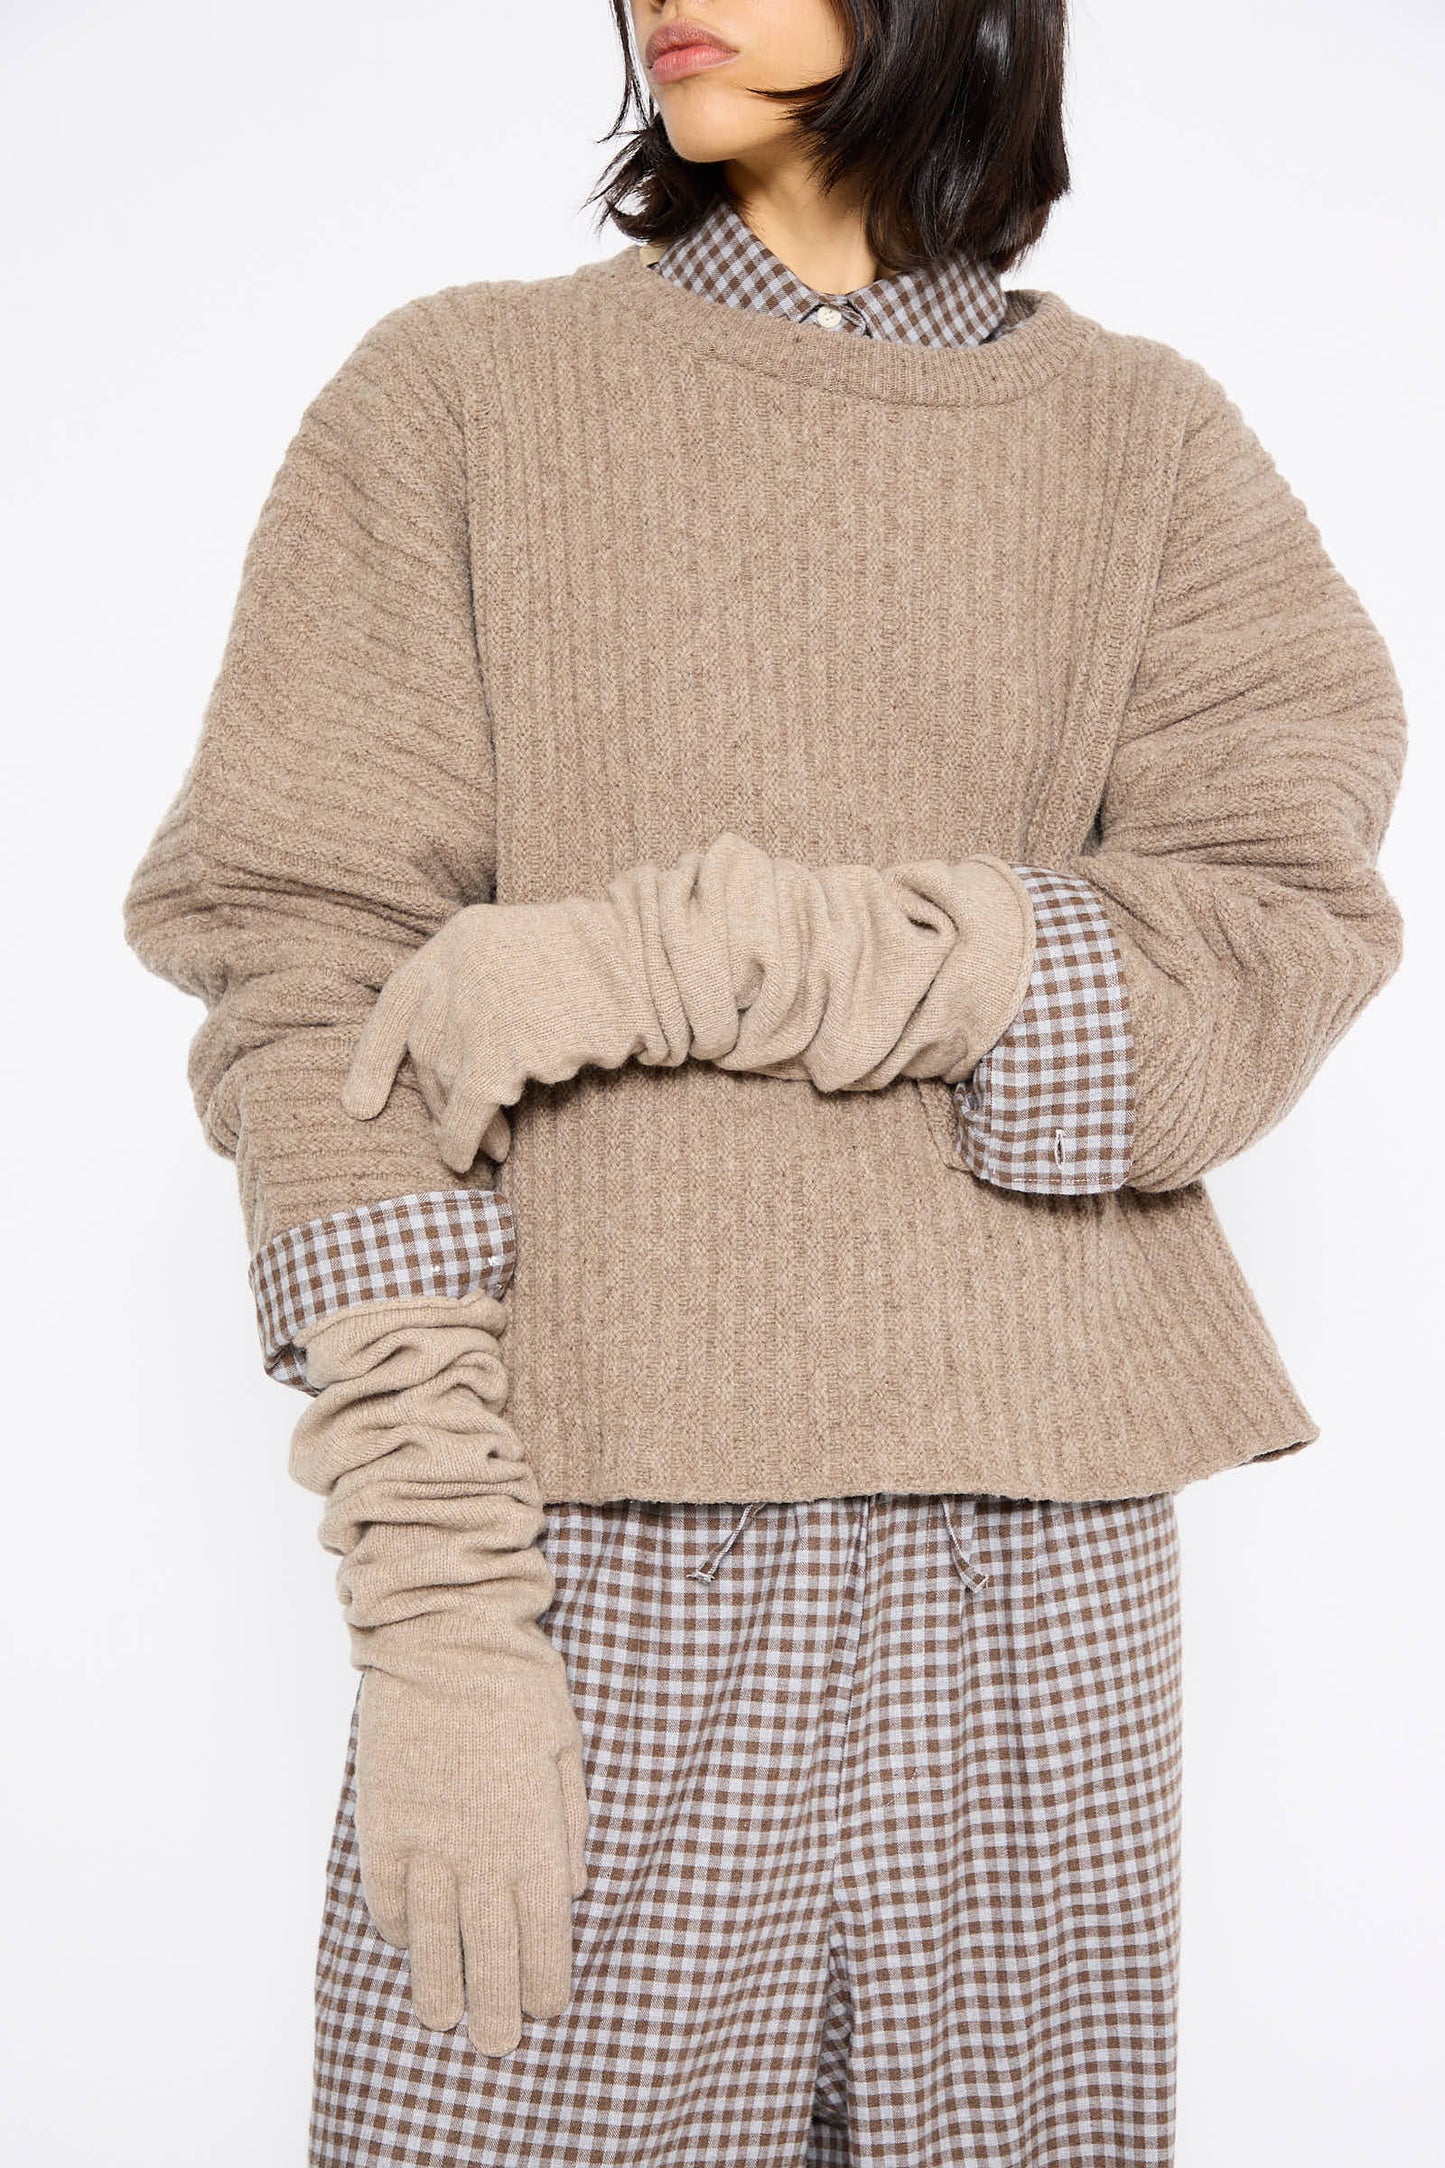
[(705, 129)]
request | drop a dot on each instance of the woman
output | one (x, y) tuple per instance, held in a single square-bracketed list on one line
[(856, 787)]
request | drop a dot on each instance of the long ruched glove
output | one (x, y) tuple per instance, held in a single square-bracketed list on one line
[(471, 1812), (849, 977)]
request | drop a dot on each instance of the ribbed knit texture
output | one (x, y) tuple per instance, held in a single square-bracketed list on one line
[(567, 575)]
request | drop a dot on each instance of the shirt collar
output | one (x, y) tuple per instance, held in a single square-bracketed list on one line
[(955, 303)]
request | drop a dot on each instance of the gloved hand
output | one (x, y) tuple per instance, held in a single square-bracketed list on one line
[(500, 995), (849, 977), (471, 1812), (470, 1817)]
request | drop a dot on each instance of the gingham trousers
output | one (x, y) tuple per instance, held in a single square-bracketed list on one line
[(883, 1855)]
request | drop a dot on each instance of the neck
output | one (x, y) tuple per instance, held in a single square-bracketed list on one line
[(820, 237)]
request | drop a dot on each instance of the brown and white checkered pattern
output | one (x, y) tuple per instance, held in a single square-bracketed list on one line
[(883, 1854), (956, 303), (439, 1242), (1051, 1105)]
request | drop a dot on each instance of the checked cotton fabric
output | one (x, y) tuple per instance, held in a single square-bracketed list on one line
[(1050, 1106), (452, 1242), (955, 303), (883, 1854)]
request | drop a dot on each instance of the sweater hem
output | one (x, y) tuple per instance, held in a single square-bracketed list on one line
[(710, 1482)]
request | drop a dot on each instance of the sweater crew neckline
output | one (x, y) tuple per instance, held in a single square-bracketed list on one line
[(1043, 336)]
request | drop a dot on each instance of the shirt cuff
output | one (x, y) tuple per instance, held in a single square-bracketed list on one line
[(1050, 1106), (450, 1242)]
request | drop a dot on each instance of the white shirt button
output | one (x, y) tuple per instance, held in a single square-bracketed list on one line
[(830, 316)]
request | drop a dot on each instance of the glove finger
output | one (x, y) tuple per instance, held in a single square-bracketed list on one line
[(470, 1113), (489, 1943), (379, 1051), (497, 1140), (383, 1884), (434, 1943), (431, 1087), (544, 1918), (574, 1808)]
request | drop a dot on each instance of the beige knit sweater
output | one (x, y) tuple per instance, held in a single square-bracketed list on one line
[(568, 575)]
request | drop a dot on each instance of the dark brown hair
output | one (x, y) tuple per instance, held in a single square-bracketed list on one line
[(948, 119)]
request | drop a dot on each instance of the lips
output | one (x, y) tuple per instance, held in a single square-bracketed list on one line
[(683, 48)]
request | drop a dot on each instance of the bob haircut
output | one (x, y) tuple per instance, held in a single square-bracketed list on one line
[(948, 119)]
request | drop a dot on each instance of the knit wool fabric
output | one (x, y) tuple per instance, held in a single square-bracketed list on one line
[(1051, 1105), (566, 575)]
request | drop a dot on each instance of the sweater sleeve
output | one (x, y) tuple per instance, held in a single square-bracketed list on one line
[(337, 809), (1197, 963)]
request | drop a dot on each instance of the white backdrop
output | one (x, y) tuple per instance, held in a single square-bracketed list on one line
[(206, 206)]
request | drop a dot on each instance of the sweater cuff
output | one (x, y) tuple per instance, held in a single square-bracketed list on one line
[(452, 1243), (1050, 1107)]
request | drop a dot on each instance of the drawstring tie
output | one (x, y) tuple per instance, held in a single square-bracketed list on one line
[(961, 1544), (960, 1516), (709, 1566)]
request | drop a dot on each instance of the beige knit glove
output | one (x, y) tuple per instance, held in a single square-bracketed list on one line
[(849, 977), (471, 1813)]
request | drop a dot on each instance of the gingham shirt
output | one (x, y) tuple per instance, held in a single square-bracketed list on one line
[(957, 303), (452, 1242), (1050, 1107)]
